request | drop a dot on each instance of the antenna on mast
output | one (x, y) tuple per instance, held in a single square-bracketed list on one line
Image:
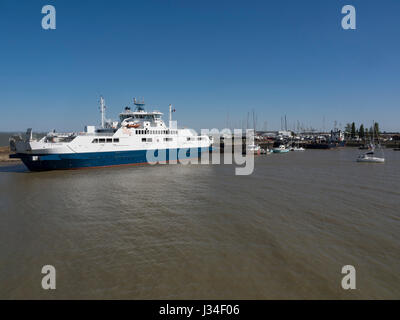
[(285, 123), (102, 111), (170, 115)]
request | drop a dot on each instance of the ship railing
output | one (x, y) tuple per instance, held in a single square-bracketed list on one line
[(96, 134), (12, 142), (16, 138)]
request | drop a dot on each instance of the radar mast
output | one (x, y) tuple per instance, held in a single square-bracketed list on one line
[(139, 104)]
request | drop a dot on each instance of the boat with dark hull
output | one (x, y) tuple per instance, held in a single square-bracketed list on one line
[(324, 145), (335, 140)]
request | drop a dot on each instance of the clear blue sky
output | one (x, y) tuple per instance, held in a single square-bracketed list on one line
[(208, 58)]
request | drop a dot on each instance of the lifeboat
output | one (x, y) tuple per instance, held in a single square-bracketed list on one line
[(133, 125)]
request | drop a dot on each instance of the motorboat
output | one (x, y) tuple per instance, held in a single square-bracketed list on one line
[(370, 157), (281, 149)]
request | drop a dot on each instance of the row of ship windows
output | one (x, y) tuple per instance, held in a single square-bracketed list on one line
[(155, 132), (116, 140), (170, 139), (151, 139), (108, 140)]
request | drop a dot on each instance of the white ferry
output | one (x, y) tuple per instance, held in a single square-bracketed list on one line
[(130, 140)]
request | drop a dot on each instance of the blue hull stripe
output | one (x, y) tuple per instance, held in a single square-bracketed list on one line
[(103, 159)]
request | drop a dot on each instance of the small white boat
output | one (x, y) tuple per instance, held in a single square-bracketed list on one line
[(369, 157), (281, 149), (254, 149), (297, 149)]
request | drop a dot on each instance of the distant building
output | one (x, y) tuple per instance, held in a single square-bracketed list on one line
[(285, 134), (337, 135)]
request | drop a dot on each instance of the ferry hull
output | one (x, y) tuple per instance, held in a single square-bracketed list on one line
[(105, 159)]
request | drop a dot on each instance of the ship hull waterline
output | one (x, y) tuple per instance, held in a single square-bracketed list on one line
[(67, 161)]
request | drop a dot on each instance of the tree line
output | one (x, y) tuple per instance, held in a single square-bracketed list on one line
[(363, 133)]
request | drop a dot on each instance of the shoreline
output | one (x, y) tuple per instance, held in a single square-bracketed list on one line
[(4, 156), (5, 152)]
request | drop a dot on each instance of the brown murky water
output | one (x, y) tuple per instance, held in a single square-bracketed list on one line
[(199, 231)]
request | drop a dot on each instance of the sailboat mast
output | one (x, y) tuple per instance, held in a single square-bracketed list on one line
[(373, 132)]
